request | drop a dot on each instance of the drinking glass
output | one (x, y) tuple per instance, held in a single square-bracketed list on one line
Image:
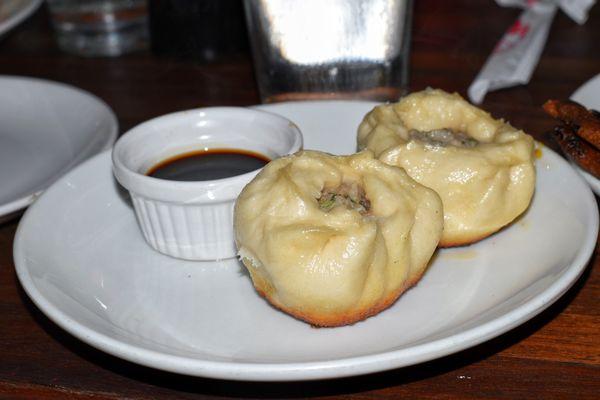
[(330, 49), (100, 27)]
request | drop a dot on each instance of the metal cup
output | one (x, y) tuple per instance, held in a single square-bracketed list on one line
[(330, 49)]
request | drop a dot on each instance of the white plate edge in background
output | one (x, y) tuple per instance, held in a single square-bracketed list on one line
[(18, 17), (6, 209), (588, 95)]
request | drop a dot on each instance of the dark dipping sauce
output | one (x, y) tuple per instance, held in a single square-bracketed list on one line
[(206, 165)]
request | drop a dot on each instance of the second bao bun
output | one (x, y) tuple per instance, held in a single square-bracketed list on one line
[(482, 168)]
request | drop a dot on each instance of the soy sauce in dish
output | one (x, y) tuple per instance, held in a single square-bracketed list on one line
[(205, 165)]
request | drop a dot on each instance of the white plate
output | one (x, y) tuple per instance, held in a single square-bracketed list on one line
[(80, 256), (13, 12), (588, 95), (47, 128)]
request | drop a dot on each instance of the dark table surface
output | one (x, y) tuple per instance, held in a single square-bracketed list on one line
[(554, 355)]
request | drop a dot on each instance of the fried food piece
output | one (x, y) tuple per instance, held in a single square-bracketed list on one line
[(579, 133), (583, 122), (580, 151), (333, 240)]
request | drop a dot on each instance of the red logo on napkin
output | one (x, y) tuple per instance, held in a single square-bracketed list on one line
[(514, 35)]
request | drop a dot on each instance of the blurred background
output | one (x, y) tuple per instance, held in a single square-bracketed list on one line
[(202, 46)]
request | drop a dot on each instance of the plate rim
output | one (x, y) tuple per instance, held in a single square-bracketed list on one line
[(576, 96), (336, 368), (6, 209), (19, 16)]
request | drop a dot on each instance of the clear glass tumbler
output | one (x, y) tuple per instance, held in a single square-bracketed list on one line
[(100, 27), (330, 49)]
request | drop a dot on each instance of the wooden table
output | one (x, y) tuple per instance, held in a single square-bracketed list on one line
[(554, 355)]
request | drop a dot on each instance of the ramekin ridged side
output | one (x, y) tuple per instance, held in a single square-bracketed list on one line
[(191, 232)]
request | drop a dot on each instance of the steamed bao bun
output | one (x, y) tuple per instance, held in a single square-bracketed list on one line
[(333, 240), (481, 167)]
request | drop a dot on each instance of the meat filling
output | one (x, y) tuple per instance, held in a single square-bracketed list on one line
[(349, 195), (443, 137)]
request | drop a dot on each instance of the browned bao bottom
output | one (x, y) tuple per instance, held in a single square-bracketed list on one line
[(329, 321)]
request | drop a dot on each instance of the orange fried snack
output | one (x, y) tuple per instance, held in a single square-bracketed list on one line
[(586, 123), (579, 133), (580, 151)]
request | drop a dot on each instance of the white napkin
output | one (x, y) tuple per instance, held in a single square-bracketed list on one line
[(513, 60)]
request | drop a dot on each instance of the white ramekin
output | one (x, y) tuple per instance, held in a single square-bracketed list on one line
[(194, 220)]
